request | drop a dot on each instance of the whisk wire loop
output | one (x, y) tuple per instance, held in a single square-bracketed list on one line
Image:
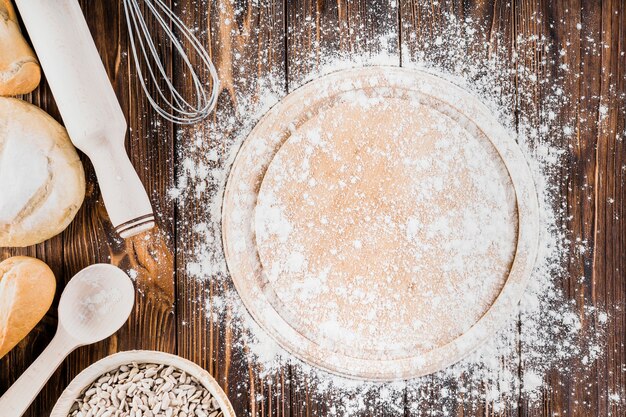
[(168, 101)]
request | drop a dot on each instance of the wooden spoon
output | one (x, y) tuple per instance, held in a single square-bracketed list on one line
[(95, 304)]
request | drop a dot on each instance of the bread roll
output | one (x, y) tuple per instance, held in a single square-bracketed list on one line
[(42, 182), (19, 69), (27, 288)]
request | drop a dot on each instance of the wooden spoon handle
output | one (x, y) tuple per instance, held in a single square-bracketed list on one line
[(21, 394)]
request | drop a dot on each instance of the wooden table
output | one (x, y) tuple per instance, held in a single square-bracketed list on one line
[(287, 38)]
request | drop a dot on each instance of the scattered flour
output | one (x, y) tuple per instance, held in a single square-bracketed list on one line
[(549, 333)]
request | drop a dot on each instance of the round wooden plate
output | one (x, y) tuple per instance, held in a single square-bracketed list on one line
[(380, 223)]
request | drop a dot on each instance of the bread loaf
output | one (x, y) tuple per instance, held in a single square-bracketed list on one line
[(19, 69), (42, 182), (27, 287)]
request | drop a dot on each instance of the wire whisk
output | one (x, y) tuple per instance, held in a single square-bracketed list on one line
[(168, 100)]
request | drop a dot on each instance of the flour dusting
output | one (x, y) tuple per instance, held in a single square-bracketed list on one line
[(386, 223), (548, 333)]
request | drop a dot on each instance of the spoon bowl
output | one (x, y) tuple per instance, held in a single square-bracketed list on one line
[(96, 303)]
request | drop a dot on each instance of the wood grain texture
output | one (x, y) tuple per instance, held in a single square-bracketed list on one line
[(291, 41), (246, 42), (320, 31), (588, 61)]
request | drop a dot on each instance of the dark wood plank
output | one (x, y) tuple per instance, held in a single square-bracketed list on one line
[(610, 249), (525, 26), (151, 147), (606, 388), (534, 19), (321, 31), (246, 42), (592, 39)]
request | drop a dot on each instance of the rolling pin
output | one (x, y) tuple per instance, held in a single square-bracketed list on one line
[(90, 110)]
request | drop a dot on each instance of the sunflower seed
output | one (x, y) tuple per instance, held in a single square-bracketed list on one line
[(146, 390)]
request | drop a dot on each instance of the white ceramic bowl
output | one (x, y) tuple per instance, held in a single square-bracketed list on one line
[(90, 374)]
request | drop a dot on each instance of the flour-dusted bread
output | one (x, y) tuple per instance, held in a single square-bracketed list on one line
[(42, 182), (27, 287), (19, 68)]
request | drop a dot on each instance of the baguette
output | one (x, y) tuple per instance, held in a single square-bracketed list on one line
[(27, 287), (19, 69)]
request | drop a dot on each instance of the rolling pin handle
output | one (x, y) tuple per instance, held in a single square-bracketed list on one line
[(124, 195)]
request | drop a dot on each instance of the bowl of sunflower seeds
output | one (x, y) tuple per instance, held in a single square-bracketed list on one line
[(143, 383)]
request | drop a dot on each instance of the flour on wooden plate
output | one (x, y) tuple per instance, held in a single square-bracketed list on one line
[(385, 232)]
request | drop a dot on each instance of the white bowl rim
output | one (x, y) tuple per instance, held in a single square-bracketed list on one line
[(109, 363)]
